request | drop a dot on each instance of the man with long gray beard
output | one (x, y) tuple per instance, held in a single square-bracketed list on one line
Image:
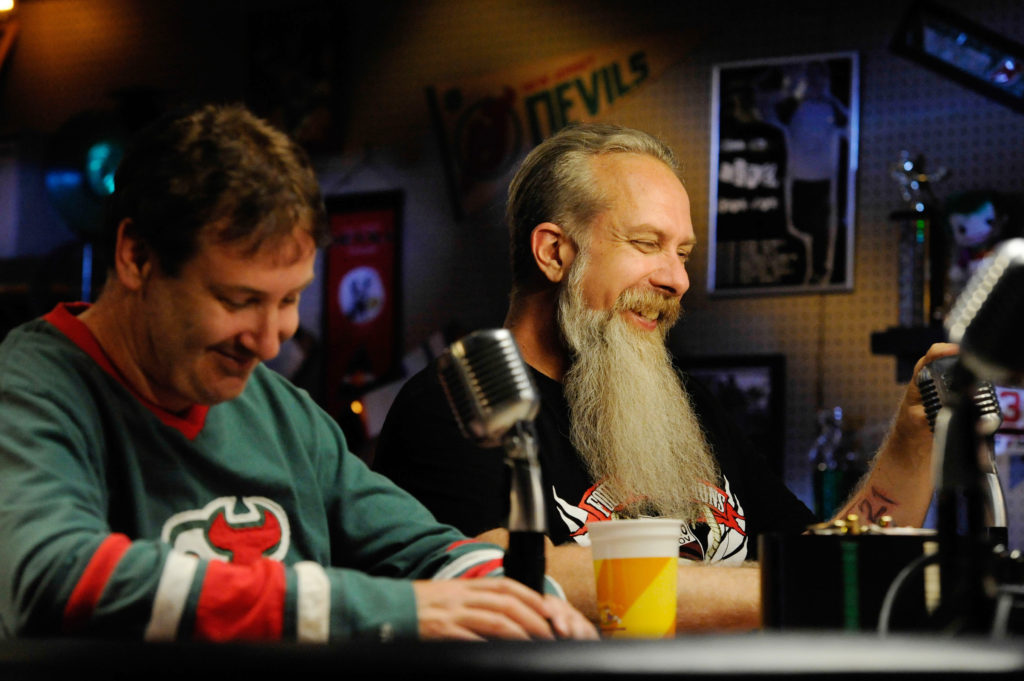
[(600, 236)]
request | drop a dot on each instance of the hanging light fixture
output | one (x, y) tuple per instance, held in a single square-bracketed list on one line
[(8, 28)]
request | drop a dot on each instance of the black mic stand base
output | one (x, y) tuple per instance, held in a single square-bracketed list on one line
[(524, 561)]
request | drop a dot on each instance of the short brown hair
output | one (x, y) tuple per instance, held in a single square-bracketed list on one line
[(215, 163)]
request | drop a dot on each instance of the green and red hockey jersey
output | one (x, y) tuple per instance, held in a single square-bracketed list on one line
[(248, 519)]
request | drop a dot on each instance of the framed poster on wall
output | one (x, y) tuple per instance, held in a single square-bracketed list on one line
[(752, 390), (783, 169), (362, 296)]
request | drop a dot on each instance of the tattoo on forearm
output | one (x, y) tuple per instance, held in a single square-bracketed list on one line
[(874, 505)]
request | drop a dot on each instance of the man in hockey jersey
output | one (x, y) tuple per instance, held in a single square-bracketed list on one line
[(600, 237), (158, 482)]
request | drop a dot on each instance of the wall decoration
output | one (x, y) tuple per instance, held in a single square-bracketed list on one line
[(1009, 453), (964, 51), (362, 297), (977, 221), (487, 124), (752, 390), (783, 166)]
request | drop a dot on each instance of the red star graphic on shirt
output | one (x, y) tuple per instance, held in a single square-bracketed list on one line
[(729, 518)]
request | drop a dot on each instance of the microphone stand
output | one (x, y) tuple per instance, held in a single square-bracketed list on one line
[(965, 547), (527, 525)]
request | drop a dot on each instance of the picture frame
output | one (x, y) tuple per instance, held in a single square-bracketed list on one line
[(362, 297), (752, 390), (963, 51), (784, 135)]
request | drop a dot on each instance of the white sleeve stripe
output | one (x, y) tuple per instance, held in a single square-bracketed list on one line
[(559, 591), (171, 594), (467, 561), (313, 603)]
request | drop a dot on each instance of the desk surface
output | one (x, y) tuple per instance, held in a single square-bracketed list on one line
[(761, 655)]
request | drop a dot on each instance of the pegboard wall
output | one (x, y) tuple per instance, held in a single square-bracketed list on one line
[(825, 337), (455, 270)]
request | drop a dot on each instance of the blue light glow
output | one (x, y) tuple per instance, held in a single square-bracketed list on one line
[(56, 180), (100, 162)]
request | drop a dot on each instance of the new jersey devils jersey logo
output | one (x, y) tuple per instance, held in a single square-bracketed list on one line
[(236, 529)]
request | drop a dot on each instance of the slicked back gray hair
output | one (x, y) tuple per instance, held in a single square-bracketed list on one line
[(556, 183)]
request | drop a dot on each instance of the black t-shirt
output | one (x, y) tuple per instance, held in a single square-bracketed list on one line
[(422, 449)]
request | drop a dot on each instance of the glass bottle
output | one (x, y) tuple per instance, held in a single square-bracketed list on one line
[(826, 470)]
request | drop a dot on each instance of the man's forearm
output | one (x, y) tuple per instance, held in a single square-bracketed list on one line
[(718, 598), (709, 598), (903, 495), (899, 484)]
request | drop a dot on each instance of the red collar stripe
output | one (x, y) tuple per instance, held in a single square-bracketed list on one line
[(65, 318)]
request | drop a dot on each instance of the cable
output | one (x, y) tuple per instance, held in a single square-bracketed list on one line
[(1004, 606), (885, 612)]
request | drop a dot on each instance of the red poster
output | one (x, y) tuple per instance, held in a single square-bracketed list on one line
[(362, 295)]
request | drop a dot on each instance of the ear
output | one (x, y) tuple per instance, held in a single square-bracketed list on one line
[(553, 250), (132, 259)]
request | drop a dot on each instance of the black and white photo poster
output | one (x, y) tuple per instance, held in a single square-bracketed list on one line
[(783, 167)]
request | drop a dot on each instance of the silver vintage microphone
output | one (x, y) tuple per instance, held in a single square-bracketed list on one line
[(495, 401), (935, 381), (987, 319)]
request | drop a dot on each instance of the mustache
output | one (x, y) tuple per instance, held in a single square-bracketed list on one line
[(651, 304)]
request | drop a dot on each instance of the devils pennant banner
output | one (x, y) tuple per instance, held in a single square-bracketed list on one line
[(486, 124)]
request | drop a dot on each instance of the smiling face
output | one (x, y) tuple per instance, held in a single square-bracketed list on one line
[(632, 422), (205, 330), (641, 243)]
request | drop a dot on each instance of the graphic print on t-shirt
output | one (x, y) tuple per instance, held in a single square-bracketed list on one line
[(596, 505), (721, 537), (236, 529)]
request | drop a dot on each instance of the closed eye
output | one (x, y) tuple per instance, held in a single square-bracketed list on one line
[(645, 244), (233, 304)]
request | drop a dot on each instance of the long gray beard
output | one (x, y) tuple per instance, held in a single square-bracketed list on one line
[(632, 421)]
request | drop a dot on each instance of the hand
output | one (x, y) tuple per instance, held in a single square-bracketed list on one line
[(911, 417), (900, 482), (491, 608)]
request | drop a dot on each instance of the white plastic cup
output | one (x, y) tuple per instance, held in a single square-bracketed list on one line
[(635, 566)]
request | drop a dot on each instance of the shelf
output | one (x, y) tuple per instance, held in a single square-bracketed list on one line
[(908, 344)]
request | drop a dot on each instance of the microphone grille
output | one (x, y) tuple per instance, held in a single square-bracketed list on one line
[(488, 385), (987, 319), (926, 383), (936, 383), (990, 415)]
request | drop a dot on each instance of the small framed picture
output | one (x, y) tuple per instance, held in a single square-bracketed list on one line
[(362, 296), (751, 389)]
